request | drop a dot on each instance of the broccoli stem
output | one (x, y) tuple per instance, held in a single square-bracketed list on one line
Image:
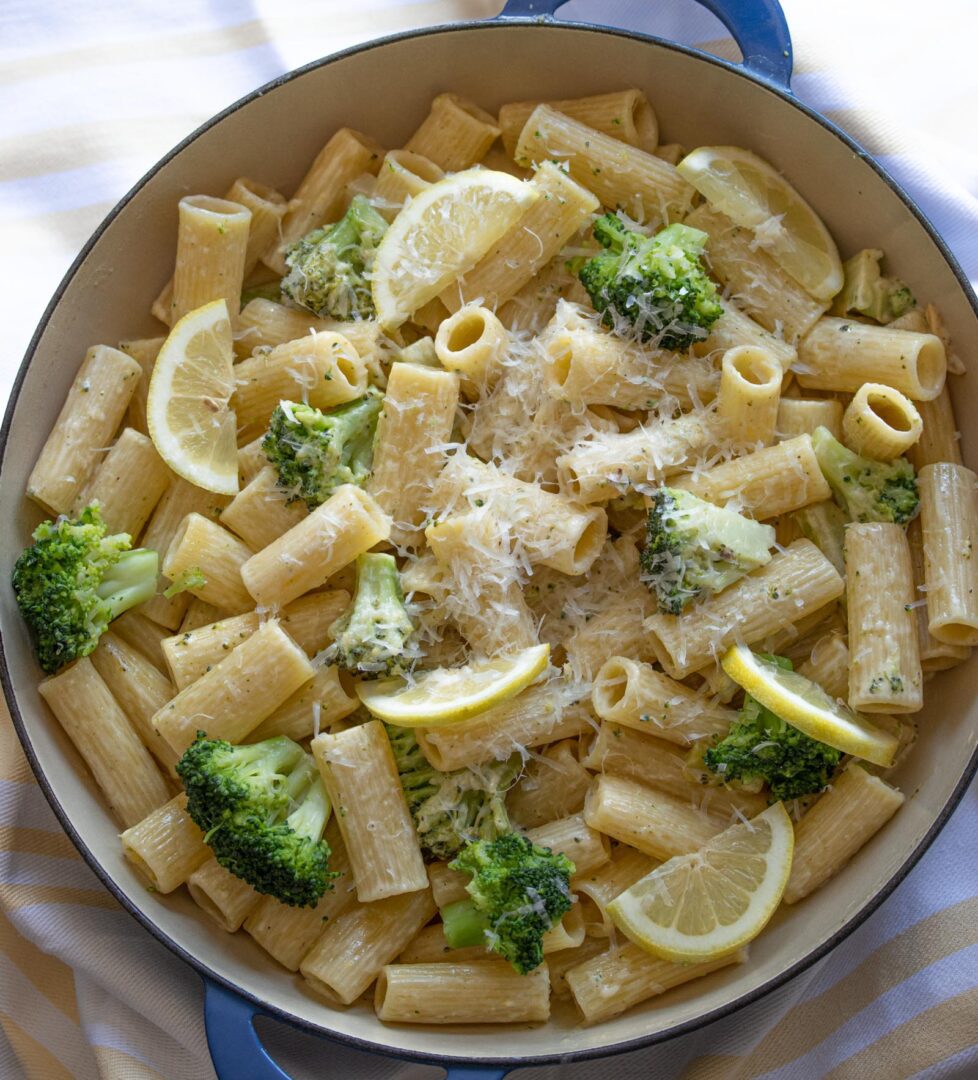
[(276, 755), (348, 230), (378, 582), (310, 816), (301, 778), (464, 924), (131, 581)]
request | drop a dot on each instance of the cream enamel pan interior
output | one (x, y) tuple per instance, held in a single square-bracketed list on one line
[(384, 89)]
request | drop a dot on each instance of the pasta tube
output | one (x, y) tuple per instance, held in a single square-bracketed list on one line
[(839, 354), (361, 778), (93, 410), (92, 719), (419, 411), (211, 560), (474, 992), (880, 422), (651, 821), (455, 134), (766, 483), (793, 584), (636, 695), (949, 523), (646, 187), (614, 981), (349, 523), (884, 657), (842, 820), (625, 115), (321, 369), (232, 699), (128, 484), (212, 244), (166, 846)]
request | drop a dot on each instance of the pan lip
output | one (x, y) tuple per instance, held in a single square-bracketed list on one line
[(280, 1013)]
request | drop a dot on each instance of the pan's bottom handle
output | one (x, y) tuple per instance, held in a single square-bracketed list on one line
[(237, 1051)]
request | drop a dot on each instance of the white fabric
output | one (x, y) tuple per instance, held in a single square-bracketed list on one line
[(91, 95)]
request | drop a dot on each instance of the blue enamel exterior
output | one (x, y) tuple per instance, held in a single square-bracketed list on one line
[(758, 26)]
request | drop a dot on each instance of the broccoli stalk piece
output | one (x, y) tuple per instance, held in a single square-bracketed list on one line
[(867, 292), (867, 490), (694, 547), (74, 580), (518, 892), (314, 453), (761, 747), (373, 636), (656, 284), (328, 268), (263, 809), (454, 808)]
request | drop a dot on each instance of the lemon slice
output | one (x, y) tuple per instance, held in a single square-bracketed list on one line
[(806, 706), (187, 412), (440, 234), (709, 903), (755, 195), (445, 695)]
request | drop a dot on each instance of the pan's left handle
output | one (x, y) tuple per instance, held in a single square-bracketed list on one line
[(758, 26), (237, 1052)]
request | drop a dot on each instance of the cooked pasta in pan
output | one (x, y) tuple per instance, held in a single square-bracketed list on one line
[(499, 582)]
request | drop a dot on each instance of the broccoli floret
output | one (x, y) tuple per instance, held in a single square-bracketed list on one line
[(192, 578), (518, 892), (867, 292), (373, 636), (314, 452), (328, 268), (454, 808), (657, 283), (263, 809), (74, 581), (760, 746), (693, 547), (867, 490)]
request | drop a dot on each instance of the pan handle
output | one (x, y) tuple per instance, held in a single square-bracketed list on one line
[(758, 26), (236, 1050)]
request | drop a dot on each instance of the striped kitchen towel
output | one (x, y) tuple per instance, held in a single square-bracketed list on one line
[(91, 95)]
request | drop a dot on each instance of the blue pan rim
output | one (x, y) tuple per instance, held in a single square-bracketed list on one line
[(264, 1008)]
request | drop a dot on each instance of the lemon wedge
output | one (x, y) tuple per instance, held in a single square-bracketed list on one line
[(709, 903), (187, 411), (756, 196), (806, 706), (446, 695), (440, 234)]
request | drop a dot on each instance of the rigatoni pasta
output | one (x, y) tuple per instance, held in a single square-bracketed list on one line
[(576, 662)]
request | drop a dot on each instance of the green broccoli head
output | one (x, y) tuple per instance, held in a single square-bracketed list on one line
[(454, 808), (760, 746), (867, 292), (74, 580), (867, 490), (693, 547), (518, 892), (373, 637), (314, 452), (655, 285), (263, 809), (328, 269)]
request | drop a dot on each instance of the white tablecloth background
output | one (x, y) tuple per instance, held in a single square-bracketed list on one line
[(91, 95)]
